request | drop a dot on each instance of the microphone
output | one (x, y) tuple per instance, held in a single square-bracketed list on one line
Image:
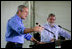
[(45, 28), (38, 24), (64, 28), (59, 26), (48, 31)]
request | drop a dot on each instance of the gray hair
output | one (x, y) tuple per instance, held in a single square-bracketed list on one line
[(20, 8), (51, 15)]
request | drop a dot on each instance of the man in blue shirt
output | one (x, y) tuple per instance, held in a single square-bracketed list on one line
[(46, 36), (16, 32)]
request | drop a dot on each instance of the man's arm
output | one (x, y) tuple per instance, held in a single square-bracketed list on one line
[(64, 33), (15, 25), (35, 41), (28, 30), (30, 38), (35, 29)]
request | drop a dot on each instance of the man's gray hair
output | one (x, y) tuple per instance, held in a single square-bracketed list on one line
[(51, 15), (20, 8)]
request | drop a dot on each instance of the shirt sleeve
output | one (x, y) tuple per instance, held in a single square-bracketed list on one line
[(27, 36), (16, 26), (64, 33)]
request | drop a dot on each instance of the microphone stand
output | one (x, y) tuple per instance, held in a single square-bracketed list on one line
[(64, 28), (50, 32), (53, 36), (57, 43)]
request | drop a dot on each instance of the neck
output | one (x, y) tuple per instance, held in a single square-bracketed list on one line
[(19, 15), (51, 24)]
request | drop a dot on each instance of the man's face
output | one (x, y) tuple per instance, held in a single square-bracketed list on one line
[(24, 13), (51, 19)]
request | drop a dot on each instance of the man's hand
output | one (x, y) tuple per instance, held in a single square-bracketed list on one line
[(41, 43), (34, 40), (38, 29)]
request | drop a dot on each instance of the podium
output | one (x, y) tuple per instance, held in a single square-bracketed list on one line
[(63, 43), (47, 45), (66, 43), (59, 43)]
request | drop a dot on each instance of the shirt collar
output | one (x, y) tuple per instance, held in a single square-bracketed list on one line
[(18, 18), (49, 24)]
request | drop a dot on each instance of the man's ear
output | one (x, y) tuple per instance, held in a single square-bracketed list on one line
[(47, 19), (19, 12)]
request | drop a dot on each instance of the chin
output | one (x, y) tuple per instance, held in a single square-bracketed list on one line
[(24, 18)]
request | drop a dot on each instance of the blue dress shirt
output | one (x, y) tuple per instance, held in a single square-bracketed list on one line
[(15, 30)]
